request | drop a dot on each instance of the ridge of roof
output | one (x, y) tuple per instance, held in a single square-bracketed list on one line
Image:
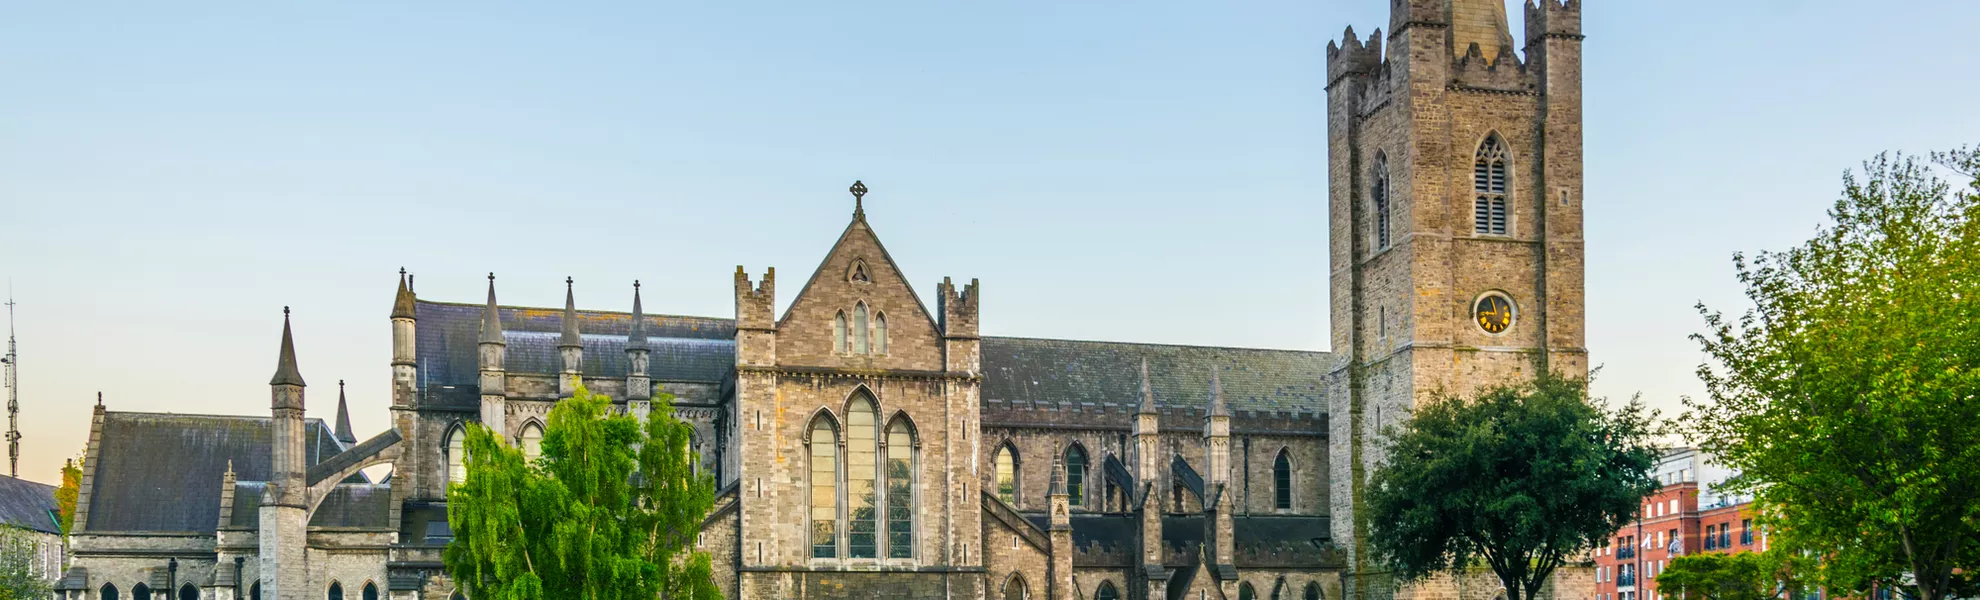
[(580, 311), (1153, 344)]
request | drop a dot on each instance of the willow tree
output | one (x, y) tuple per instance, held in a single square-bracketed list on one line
[(608, 512), (1522, 478), (1848, 397)]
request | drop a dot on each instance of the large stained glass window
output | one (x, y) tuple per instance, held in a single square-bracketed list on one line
[(824, 490), (900, 490), (862, 448)]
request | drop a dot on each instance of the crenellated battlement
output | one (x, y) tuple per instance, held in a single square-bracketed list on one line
[(1502, 73), (1289, 554), (1553, 18), (1351, 56), (959, 308), (756, 303)]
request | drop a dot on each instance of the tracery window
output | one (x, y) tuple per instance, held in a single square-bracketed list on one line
[(1107, 592), (456, 455), (1014, 588), (824, 488), (1489, 181), (859, 328), (1380, 195), (839, 333), (531, 441), (862, 446), (1282, 481), (1075, 475), (1006, 463), (900, 490), (336, 592)]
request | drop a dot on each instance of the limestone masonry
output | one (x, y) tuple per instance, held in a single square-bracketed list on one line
[(870, 443)]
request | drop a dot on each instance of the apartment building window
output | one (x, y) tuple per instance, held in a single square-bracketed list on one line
[(1709, 536), (1746, 532)]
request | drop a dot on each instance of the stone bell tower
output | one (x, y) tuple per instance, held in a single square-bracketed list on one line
[(1455, 203)]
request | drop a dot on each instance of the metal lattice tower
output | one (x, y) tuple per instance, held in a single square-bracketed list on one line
[(12, 361)]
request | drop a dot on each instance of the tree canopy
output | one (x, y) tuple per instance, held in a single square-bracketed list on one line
[(607, 512), (1848, 397), (65, 496), (1522, 478), (1771, 575), (18, 554)]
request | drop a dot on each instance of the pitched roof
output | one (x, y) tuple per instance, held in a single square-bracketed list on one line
[(1024, 371), (355, 505), (683, 348), (162, 471), (28, 505)]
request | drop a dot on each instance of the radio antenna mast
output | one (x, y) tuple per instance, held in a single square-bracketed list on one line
[(13, 362)]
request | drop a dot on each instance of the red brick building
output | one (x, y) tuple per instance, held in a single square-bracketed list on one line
[(1688, 515)]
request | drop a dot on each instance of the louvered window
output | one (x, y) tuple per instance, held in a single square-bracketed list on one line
[(1380, 195), (1489, 182)]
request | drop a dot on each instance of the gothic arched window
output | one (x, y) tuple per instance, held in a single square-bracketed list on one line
[(254, 591), (1312, 591), (1488, 179), (1107, 592), (839, 333), (1379, 193), (109, 592), (1076, 475), (824, 488), (862, 451), (859, 328), (1282, 496), (370, 591), (1006, 464), (879, 333), (456, 455), (1246, 593), (336, 592), (531, 440), (188, 592), (141, 592), (900, 489), (1014, 588), (1279, 590)]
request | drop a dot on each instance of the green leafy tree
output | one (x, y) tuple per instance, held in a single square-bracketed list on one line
[(19, 554), (1848, 397), (1522, 478), (608, 512), (1768, 575)]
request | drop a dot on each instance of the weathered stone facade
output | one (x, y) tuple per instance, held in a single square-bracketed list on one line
[(867, 443)]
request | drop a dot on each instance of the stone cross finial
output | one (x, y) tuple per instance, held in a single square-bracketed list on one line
[(858, 190)]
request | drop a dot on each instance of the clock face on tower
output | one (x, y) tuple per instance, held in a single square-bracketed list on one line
[(1494, 313)]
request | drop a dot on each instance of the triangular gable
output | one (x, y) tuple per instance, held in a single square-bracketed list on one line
[(804, 330)]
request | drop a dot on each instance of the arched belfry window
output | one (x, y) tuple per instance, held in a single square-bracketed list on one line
[(1006, 464), (1379, 194), (859, 329), (1076, 475), (456, 455), (839, 333), (531, 440), (1488, 178), (862, 450), (900, 489), (1282, 492), (879, 332), (824, 442)]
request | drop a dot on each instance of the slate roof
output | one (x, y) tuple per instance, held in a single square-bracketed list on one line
[(683, 348), (1017, 371), (355, 505), (28, 505), (162, 471), (1023, 371)]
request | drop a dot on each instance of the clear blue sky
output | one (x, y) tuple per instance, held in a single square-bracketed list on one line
[(172, 174)]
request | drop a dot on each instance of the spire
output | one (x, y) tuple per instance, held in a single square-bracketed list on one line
[(1058, 487), (1480, 22), (636, 340), (491, 318), (343, 417), (570, 338), (402, 305), (285, 367), (1147, 393), (1217, 407)]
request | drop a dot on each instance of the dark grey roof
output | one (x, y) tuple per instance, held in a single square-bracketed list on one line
[(683, 348), (355, 505), (285, 365), (1031, 370), (162, 472), (247, 504), (28, 505)]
